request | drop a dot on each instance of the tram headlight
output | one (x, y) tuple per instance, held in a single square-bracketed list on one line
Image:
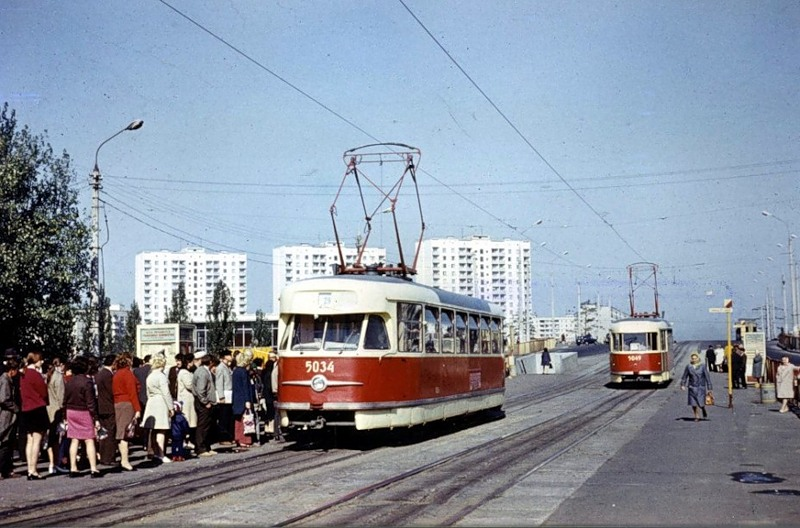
[(319, 383)]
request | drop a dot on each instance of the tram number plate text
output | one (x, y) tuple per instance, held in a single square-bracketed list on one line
[(319, 367), (634, 358)]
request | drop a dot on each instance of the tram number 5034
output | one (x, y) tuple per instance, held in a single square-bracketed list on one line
[(319, 367)]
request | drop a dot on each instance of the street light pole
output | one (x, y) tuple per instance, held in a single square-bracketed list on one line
[(792, 271), (94, 303)]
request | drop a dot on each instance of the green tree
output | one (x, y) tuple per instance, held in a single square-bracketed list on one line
[(179, 313), (262, 331), (134, 319), (221, 318), (44, 260)]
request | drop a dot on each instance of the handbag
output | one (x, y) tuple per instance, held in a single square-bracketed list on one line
[(130, 430), (709, 398), (249, 422)]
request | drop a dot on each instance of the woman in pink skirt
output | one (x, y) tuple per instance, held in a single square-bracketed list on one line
[(80, 403)]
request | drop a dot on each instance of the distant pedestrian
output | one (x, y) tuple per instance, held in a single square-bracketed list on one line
[(698, 380), (274, 377), (127, 408), (159, 408), (180, 428), (80, 402), (9, 409), (547, 362), (784, 383), (711, 358), (186, 395), (57, 443), (34, 396), (107, 442), (205, 397), (223, 379), (740, 367), (243, 399), (758, 367)]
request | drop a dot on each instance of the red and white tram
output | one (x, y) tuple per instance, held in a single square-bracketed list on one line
[(640, 349), (372, 351)]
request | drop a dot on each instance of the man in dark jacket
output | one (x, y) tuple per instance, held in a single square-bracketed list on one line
[(107, 447)]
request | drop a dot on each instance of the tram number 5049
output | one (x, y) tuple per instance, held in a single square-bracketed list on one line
[(319, 367), (634, 358)]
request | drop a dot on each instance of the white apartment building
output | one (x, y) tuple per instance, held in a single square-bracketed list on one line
[(158, 273), (594, 318), (119, 316), (293, 263), (496, 271), (555, 327)]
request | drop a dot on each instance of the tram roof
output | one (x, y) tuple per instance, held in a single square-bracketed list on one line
[(396, 288), (634, 324)]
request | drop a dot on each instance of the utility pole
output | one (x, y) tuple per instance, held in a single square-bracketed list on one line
[(94, 294)]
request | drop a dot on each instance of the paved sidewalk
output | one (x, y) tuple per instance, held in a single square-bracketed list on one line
[(739, 467)]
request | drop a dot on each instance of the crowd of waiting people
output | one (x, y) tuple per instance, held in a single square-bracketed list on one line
[(87, 411)]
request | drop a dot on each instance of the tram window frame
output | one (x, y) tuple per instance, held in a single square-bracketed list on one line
[(447, 325), (461, 332), (474, 334), (376, 336), (307, 332), (486, 335), (409, 327), (433, 331), (496, 335)]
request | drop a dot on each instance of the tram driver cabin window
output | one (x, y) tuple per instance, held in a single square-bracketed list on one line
[(638, 341)]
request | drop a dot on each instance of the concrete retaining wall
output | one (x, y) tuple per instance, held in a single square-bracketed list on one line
[(532, 363)]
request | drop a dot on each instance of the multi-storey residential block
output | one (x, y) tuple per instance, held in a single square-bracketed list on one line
[(292, 263), (496, 271), (158, 274)]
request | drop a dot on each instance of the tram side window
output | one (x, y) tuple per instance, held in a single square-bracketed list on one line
[(496, 336), (474, 345), (307, 333), (461, 333), (409, 317), (432, 329), (486, 336), (376, 337), (448, 331)]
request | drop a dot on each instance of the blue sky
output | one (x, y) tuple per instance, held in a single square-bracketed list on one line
[(636, 131)]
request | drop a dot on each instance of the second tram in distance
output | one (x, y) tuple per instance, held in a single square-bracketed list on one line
[(373, 351), (640, 349)]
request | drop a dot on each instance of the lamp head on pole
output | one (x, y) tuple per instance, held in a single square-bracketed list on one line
[(134, 125)]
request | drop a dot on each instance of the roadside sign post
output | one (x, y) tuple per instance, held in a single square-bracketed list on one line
[(727, 309)]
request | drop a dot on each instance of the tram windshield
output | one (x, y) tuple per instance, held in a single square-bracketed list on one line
[(337, 332), (636, 341)]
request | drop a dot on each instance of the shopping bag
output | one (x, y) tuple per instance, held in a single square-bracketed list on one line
[(249, 422), (130, 430), (709, 398)]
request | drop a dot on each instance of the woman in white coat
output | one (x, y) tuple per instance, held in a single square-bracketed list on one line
[(185, 393), (784, 383), (159, 406)]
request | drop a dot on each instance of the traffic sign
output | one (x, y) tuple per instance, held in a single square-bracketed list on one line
[(720, 310), (728, 303)]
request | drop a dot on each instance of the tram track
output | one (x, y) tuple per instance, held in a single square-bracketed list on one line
[(447, 490), (130, 500)]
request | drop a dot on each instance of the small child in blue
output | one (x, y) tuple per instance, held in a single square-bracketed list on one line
[(180, 428)]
